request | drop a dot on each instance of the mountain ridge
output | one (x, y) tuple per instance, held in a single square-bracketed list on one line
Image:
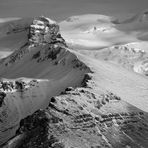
[(65, 99)]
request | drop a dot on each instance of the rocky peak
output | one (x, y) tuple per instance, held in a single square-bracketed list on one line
[(44, 30)]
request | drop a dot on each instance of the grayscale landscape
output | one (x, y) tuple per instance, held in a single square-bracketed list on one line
[(73, 74)]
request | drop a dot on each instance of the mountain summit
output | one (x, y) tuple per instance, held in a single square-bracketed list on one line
[(44, 30)]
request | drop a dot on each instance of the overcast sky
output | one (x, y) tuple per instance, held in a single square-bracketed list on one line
[(60, 9)]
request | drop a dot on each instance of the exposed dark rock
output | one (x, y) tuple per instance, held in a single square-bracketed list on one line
[(18, 54), (69, 89), (44, 30), (86, 79), (37, 55), (53, 100), (2, 96), (78, 64), (19, 85)]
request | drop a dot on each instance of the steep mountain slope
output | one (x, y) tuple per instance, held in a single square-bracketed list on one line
[(51, 68), (13, 34), (88, 116), (72, 99)]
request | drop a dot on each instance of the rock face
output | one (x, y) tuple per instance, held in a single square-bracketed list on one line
[(44, 30), (83, 118)]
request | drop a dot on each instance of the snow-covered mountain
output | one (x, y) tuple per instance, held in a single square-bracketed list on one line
[(84, 97), (49, 64)]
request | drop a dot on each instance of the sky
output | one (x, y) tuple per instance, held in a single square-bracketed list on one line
[(61, 9)]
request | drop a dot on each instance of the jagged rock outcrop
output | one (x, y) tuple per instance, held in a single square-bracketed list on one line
[(44, 30), (2, 96)]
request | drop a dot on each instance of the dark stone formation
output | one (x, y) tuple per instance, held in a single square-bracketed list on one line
[(2, 96)]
